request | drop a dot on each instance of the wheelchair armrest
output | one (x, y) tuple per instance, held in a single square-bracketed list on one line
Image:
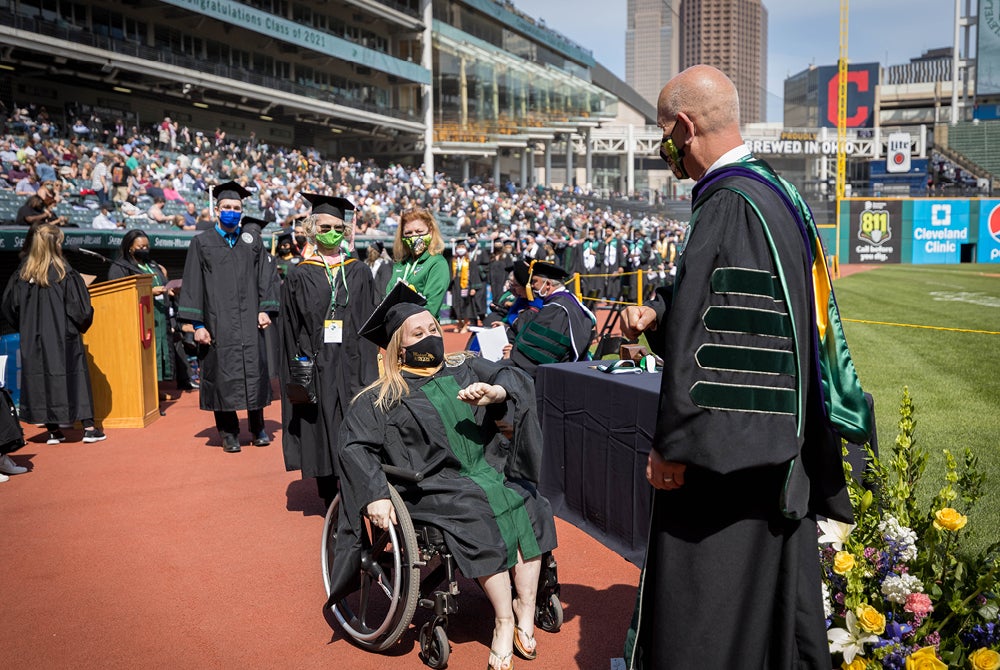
[(411, 476), (402, 473)]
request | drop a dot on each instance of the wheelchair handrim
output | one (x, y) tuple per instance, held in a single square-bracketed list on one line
[(347, 616)]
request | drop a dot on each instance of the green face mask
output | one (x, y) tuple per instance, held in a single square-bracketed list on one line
[(418, 243), (330, 240)]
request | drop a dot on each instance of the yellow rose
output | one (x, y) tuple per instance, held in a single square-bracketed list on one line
[(871, 620), (949, 519), (856, 664), (843, 562), (924, 659), (984, 659)]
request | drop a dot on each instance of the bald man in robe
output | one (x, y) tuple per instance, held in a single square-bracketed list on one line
[(744, 455)]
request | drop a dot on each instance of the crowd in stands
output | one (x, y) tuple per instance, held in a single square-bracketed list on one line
[(105, 175)]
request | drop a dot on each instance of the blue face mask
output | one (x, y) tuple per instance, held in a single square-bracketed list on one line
[(229, 218)]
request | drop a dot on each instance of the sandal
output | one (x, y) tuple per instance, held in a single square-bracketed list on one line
[(519, 647), (506, 662), (522, 650)]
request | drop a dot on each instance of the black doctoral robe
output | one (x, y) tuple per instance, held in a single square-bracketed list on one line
[(732, 575), (55, 380), (480, 488), (309, 440), (561, 331), (226, 288)]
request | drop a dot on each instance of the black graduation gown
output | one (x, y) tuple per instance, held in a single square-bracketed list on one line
[(497, 274), (309, 440), (55, 381), (225, 288), (560, 332), (419, 433), (732, 575)]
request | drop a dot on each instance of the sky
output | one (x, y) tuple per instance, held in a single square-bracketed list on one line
[(800, 33)]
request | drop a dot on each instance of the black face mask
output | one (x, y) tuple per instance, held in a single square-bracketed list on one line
[(284, 249), (427, 353), (141, 255), (301, 240)]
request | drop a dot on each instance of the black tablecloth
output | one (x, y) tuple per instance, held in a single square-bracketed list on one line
[(597, 429)]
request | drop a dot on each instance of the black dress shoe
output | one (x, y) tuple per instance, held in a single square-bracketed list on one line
[(230, 444), (262, 440)]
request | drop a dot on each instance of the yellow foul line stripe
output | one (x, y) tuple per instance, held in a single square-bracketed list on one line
[(913, 325)]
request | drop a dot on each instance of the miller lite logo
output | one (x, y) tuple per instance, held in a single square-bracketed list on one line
[(898, 156)]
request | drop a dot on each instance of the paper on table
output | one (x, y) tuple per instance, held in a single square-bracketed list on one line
[(491, 341)]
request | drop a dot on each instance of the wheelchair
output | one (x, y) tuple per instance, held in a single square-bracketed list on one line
[(391, 585)]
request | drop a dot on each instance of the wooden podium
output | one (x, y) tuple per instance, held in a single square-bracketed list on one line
[(121, 353)]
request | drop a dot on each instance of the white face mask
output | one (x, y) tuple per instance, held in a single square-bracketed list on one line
[(460, 251)]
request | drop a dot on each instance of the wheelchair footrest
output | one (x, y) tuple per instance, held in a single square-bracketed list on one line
[(443, 604)]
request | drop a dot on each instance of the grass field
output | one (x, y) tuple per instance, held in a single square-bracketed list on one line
[(953, 375)]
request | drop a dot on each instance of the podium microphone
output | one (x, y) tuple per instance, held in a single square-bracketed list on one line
[(86, 252)]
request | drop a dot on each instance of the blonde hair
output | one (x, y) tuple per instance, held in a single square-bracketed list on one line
[(45, 252), (401, 252), (391, 386)]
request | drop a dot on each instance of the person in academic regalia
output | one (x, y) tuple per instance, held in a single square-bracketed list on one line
[(47, 302), (230, 290), (497, 271), (465, 284), (328, 289), (479, 263), (135, 260), (560, 331), (480, 487), (419, 264), (744, 455), (380, 264), (285, 256)]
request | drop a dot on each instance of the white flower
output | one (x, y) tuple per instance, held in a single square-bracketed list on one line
[(827, 605), (896, 588), (850, 642), (835, 532), (903, 539)]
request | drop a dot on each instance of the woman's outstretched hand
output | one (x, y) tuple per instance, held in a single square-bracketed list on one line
[(481, 393)]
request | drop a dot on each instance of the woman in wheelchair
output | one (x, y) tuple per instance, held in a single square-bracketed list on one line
[(478, 486)]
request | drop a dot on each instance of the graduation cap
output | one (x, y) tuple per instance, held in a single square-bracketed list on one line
[(328, 204), (284, 237), (401, 303), (229, 190), (548, 271), (522, 272), (252, 222)]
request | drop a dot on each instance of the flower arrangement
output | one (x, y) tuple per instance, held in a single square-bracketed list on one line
[(899, 589)]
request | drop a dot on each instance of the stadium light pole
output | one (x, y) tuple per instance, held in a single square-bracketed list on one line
[(427, 90), (954, 64)]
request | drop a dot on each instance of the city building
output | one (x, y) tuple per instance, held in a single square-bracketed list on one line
[(732, 36), (652, 45)]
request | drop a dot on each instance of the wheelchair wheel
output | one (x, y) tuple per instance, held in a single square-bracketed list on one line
[(376, 615), (549, 614), (434, 647)]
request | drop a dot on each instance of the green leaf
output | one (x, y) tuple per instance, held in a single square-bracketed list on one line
[(990, 611)]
